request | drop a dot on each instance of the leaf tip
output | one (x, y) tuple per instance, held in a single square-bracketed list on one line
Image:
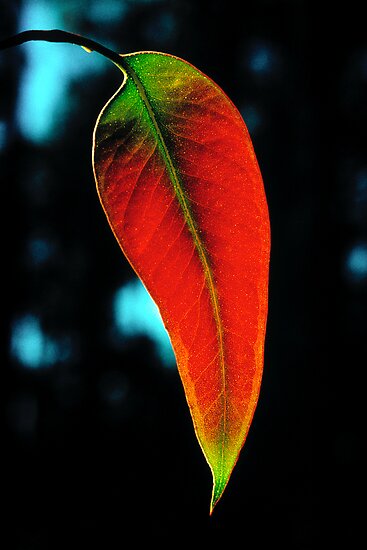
[(218, 489)]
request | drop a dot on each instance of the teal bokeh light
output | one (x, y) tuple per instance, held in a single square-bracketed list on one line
[(135, 314), (32, 347), (45, 96), (356, 262), (3, 135)]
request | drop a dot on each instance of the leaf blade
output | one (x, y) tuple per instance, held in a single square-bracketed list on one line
[(181, 188)]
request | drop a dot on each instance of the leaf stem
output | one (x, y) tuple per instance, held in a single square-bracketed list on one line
[(57, 35)]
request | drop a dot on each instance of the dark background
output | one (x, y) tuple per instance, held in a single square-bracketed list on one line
[(98, 446)]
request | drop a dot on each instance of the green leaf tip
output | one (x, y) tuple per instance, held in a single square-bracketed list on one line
[(219, 486)]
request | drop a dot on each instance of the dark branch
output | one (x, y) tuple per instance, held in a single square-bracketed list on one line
[(56, 35)]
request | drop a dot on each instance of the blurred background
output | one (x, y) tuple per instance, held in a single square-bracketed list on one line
[(98, 444)]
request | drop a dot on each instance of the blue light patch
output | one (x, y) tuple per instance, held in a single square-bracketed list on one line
[(252, 117), (39, 251), (356, 262), (31, 347), (41, 87), (3, 135), (135, 314), (45, 89), (260, 60), (107, 11)]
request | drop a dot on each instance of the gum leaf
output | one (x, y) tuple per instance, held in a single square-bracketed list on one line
[(180, 184)]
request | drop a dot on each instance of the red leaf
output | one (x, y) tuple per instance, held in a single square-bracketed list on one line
[(179, 182)]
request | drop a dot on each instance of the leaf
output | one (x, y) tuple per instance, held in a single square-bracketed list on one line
[(179, 182)]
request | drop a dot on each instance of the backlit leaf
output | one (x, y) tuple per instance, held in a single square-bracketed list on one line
[(179, 182)]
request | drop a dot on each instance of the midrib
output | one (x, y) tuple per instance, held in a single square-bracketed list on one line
[(193, 230)]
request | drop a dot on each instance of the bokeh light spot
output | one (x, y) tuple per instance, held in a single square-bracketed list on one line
[(107, 11), (39, 251), (135, 314), (3, 135), (356, 262), (252, 117), (33, 348), (260, 60), (45, 90)]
